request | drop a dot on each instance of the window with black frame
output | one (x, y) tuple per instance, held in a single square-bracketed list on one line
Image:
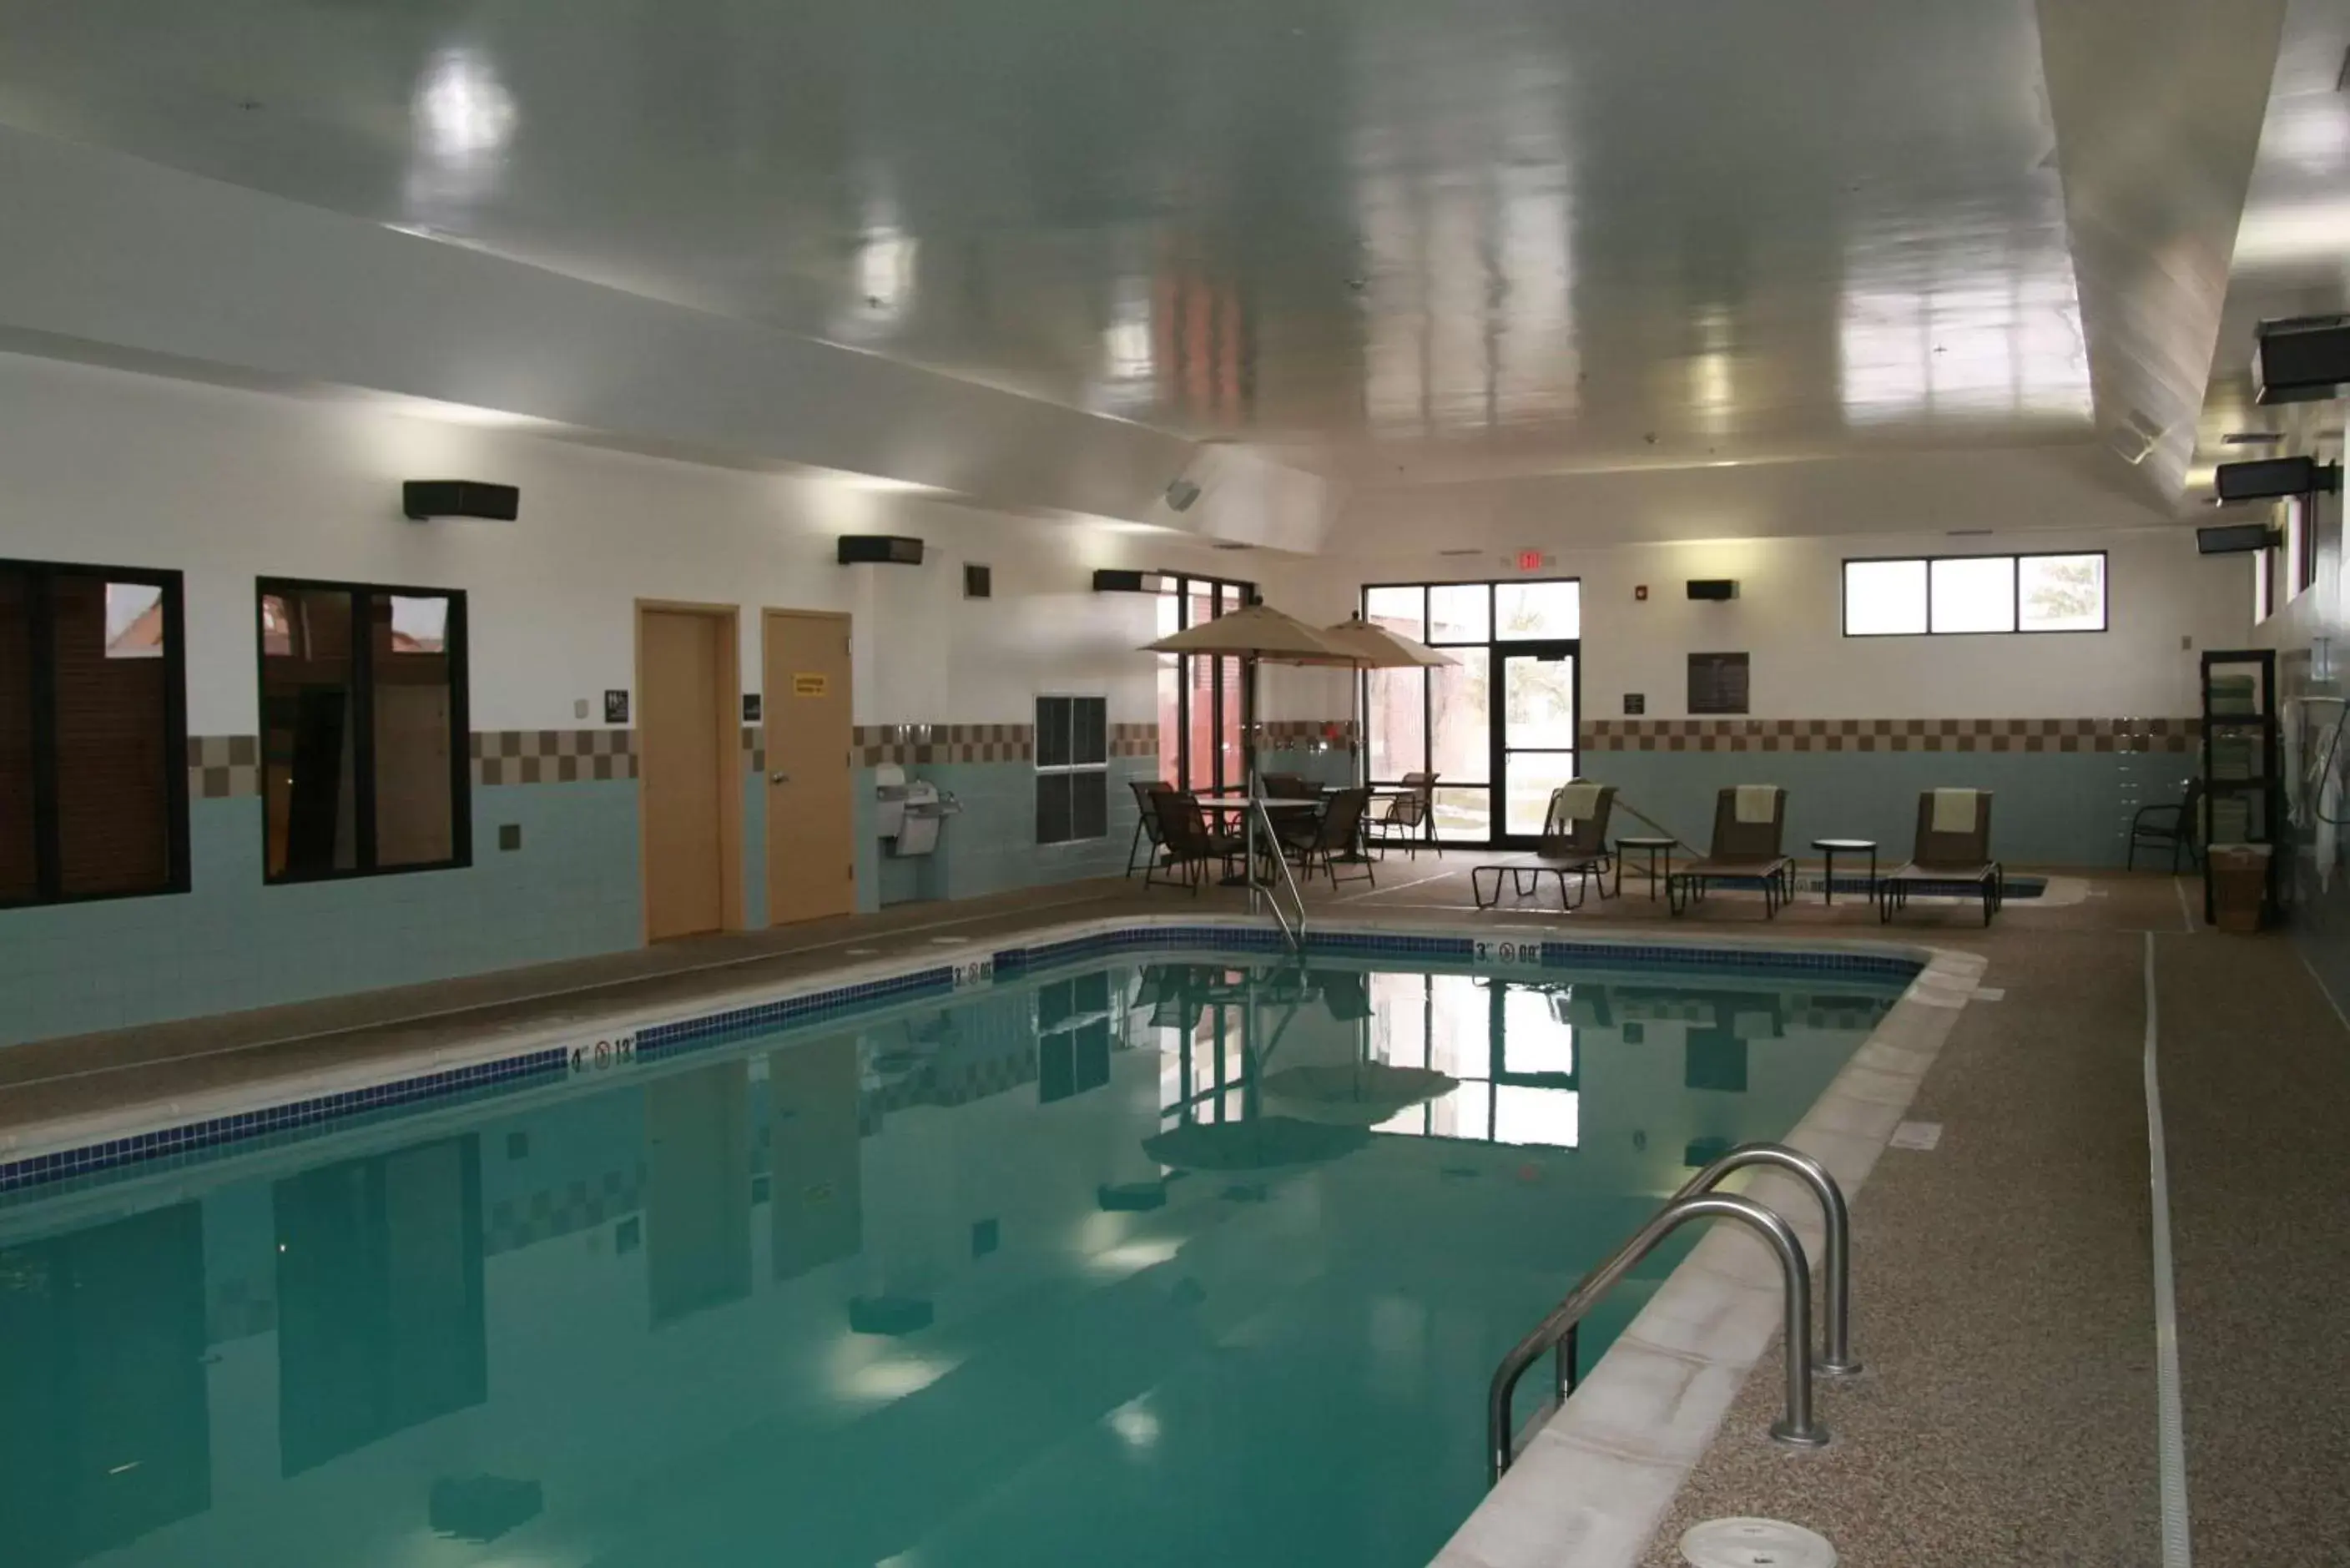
[(1204, 704), (93, 733), (1072, 769), (1948, 596), (364, 738), (1497, 726)]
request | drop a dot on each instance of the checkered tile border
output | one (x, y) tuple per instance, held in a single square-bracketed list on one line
[(1891, 734), (518, 1222), (912, 743), (553, 756), (228, 767), (224, 767), (1290, 734), (906, 744)]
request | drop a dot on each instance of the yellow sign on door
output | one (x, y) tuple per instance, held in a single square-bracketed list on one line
[(805, 685)]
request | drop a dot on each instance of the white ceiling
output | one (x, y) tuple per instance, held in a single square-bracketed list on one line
[(1398, 243), (2291, 254)]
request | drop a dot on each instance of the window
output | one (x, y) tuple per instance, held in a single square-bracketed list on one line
[(363, 731), (1204, 704), (1072, 769), (1958, 595), (93, 733), (1502, 715)]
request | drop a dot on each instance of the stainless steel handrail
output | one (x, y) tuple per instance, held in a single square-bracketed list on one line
[(1295, 931), (1835, 1358), (1555, 1332)]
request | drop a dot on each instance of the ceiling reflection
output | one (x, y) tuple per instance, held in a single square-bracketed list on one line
[(1580, 231)]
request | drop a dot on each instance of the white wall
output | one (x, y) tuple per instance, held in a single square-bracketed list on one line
[(1788, 617), (115, 468)]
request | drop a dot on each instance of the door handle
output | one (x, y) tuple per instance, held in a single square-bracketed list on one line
[(779, 778)]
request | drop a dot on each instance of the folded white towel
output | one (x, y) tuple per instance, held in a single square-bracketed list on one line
[(1577, 801), (1757, 803), (1954, 810)]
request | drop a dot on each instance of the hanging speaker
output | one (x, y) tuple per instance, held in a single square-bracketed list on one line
[(420, 499)]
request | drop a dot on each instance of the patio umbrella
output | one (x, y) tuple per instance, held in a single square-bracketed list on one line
[(1258, 631), (1376, 647), (1259, 1143), (1354, 1094)]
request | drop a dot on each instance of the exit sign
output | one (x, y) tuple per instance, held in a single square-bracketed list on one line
[(1530, 560)]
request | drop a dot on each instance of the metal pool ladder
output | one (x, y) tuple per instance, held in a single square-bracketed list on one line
[(1696, 1200), (1292, 925)]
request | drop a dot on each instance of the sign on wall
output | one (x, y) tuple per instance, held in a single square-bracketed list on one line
[(1717, 683), (806, 685)]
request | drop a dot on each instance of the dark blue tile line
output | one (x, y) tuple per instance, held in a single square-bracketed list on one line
[(661, 1041), (180, 1144), (1859, 886), (245, 1126), (1615, 955), (741, 1022)]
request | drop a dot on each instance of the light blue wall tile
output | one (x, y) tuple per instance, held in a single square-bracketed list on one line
[(2050, 808), (234, 942), (755, 849)]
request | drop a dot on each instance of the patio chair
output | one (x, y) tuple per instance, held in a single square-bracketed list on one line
[(1406, 818), (1145, 826), (1951, 855), (1749, 821), (1330, 837), (2170, 826), (1288, 786), (1573, 844), (1187, 846)]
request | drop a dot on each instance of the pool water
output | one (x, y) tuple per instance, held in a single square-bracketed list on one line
[(1177, 1263)]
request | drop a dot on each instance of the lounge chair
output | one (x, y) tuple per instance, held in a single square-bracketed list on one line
[(1330, 837), (1406, 818), (1749, 821), (1145, 826), (1187, 846), (1952, 854), (1573, 844)]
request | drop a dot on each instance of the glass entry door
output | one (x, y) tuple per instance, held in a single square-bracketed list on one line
[(1533, 732)]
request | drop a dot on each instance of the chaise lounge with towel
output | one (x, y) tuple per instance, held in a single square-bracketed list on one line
[(1749, 821), (1951, 855), (1573, 844)]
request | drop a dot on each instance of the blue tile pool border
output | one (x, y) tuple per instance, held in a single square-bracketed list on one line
[(185, 1142)]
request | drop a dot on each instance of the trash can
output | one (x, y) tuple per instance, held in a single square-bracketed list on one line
[(2240, 883)]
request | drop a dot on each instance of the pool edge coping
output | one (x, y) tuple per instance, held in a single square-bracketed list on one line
[(932, 967), (1591, 1487)]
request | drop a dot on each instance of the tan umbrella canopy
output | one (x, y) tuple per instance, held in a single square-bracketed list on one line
[(1353, 1094), (1376, 647), (1258, 631)]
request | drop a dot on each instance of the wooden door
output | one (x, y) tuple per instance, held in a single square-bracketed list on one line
[(685, 757), (811, 855)]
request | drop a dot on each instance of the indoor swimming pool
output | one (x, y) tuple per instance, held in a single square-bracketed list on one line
[(1162, 1259)]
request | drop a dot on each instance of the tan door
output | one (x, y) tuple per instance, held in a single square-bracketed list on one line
[(684, 683), (811, 859)]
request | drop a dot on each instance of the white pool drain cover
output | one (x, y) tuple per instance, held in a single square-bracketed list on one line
[(1755, 1544)]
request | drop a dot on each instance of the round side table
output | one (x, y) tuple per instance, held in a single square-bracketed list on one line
[(1830, 848), (1655, 848)]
